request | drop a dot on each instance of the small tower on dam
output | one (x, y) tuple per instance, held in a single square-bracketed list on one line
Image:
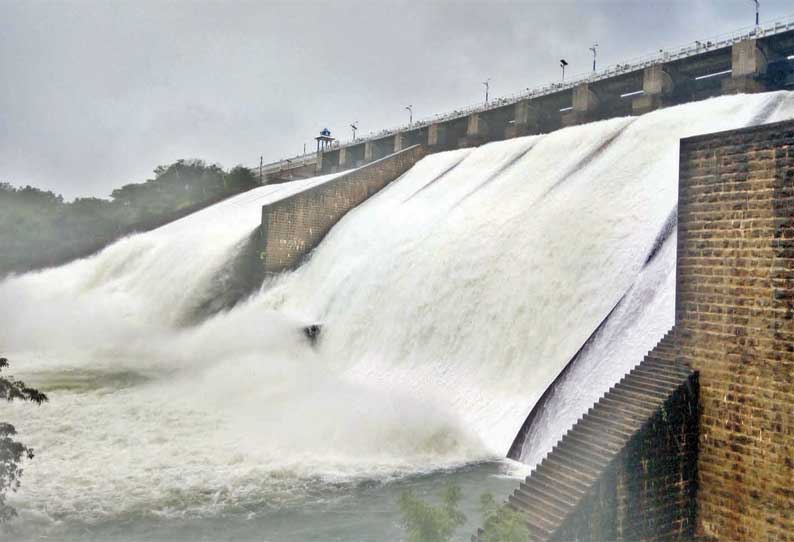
[(324, 140)]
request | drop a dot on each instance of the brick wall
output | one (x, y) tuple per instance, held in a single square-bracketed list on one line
[(734, 307), (292, 227)]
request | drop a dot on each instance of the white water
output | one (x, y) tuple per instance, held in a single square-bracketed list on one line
[(449, 307)]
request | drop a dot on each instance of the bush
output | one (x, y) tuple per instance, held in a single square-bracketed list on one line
[(12, 452), (502, 523), (425, 522)]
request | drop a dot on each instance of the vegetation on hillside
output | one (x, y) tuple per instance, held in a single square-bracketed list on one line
[(426, 522), (12, 452), (38, 228)]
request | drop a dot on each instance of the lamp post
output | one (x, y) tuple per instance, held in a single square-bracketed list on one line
[(410, 110), (487, 85), (354, 127), (757, 6), (563, 63), (594, 49)]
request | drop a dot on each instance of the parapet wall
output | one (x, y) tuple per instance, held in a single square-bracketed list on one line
[(292, 227), (734, 320)]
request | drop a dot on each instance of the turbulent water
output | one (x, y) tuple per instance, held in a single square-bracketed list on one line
[(449, 302)]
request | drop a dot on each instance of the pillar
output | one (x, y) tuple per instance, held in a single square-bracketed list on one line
[(584, 106), (748, 66), (345, 161), (370, 151), (476, 131), (399, 141), (657, 86), (526, 121), (437, 135)]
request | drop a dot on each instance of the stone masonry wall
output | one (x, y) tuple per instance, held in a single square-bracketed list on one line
[(292, 227), (734, 308)]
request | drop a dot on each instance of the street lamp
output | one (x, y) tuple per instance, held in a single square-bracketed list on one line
[(410, 110), (593, 48), (563, 63), (354, 127), (487, 85), (757, 6)]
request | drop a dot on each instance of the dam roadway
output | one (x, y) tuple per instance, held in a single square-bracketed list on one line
[(755, 59)]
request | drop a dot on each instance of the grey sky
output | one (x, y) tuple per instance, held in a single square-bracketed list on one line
[(96, 94)]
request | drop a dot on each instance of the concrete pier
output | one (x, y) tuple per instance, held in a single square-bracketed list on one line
[(292, 227)]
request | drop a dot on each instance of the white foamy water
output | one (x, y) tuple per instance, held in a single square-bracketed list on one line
[(450, 301)]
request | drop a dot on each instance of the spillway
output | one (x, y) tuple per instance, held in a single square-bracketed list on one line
[(450, 302)]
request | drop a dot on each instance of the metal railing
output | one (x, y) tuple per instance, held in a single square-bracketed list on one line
[(663, 56)]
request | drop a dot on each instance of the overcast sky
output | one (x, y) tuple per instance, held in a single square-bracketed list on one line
[(95, 94)]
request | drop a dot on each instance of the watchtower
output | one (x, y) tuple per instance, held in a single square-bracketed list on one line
[(324, 140)]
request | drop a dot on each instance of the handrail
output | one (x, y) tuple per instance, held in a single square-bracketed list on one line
[(720, 41)]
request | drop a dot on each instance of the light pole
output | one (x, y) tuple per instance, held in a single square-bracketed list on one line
[(594, 49), (487, 85), (563, 63), (757, 6), (354, 127), (410, 109)]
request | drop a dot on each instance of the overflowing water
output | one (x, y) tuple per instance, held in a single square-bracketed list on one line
[(449, 302)]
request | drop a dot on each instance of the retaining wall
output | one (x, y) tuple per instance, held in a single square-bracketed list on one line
[(734, 315), (294, 226)]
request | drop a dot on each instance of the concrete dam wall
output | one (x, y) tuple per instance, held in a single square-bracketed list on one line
[(293, 226)]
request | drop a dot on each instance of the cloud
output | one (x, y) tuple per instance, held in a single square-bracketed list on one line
[(95, 94)]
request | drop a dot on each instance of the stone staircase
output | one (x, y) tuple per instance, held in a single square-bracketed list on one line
[(557, 486)]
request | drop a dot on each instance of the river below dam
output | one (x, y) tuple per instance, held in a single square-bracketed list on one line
[(449, 303)]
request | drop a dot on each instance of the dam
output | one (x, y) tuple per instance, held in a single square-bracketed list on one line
[(451, 300), (754, 59)]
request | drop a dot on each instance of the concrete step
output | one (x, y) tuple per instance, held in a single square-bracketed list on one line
[(647, 372), (562, 498), (548, 508), (585, 451), (634, 386), (570, 476), (613, 403), (534, 516), (666, 367), (573, 470), (602, 445), (561, 484), (628, 397), (598, 424), (636, 398), (611, 440), (651, 381), (627, 425), (577, 464), (614, 413)]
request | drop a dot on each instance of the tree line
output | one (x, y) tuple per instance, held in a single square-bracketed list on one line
[(39, 229)]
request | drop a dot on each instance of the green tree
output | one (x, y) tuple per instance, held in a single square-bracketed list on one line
[(501, 523), (425, 522), (12, 452), (38, 229)]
